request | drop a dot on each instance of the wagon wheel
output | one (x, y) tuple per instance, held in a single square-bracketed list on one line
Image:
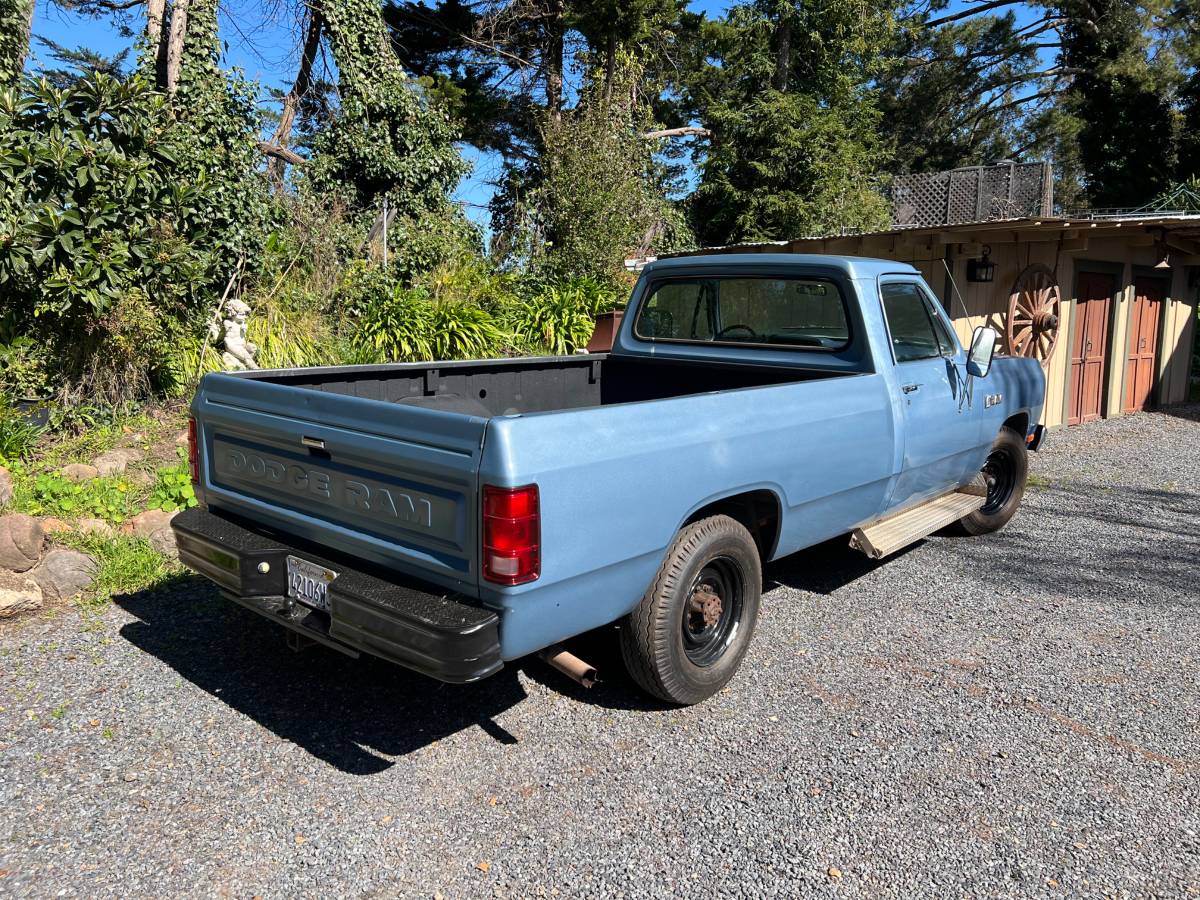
[(1034, 307)]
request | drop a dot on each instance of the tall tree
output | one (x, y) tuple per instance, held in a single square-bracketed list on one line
[(802, 160), (1122, 97), (965, 92)]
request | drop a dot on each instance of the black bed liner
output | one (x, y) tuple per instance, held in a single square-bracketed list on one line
[(508, 386)]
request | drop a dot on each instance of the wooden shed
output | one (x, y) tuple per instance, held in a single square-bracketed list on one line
[(1125, 304)]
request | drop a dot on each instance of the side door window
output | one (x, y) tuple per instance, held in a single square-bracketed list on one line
[(941, 326), (909, 323)]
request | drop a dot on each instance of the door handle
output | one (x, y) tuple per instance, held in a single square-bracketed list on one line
[(910, 388)]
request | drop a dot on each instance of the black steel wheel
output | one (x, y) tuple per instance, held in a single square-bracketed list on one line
[(713, 611), (1004, 473), (686, 638)]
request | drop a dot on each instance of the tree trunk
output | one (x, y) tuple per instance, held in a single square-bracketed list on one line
[(26, 33), (156, 11), (553, 61), (276, 165), (610, 65), (19, 17), (783, 55), (179, 13)]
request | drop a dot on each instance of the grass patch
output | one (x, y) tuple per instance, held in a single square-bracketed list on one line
[(125, 564), (1038, 481)]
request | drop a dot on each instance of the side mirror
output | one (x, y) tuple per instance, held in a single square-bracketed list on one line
[(983, 348)]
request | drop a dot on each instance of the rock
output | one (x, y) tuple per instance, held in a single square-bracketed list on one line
[(141, 477), (51, 525), (114, 462), (6, 486), (145, 524), (64, 573), (18, 594), (163, 541), (94, 526), (78, 472), (20, 542)]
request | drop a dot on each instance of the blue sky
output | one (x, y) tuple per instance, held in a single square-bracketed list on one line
[(262, 40)]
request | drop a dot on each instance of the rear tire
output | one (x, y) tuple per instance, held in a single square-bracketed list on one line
[(687, 637), (1005, 472)]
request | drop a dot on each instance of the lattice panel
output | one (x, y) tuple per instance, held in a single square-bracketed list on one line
[(973, 194)]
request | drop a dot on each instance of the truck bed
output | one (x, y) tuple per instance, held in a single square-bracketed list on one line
[(519, 386)]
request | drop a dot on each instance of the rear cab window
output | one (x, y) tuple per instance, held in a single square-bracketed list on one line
[(805, 312)]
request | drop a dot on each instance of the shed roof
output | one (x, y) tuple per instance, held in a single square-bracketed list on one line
[(1181, 224)]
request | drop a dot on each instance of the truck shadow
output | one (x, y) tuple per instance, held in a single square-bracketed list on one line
[(352, 713), (826, 567), (357, 715)]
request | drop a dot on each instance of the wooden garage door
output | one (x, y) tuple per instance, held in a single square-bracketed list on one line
[(1142, 364), (1089, 346)]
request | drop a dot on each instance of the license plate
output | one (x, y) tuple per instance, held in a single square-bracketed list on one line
[(309, 583)]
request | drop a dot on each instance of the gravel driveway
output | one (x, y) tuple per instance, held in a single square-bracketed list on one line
[(1008, 716)]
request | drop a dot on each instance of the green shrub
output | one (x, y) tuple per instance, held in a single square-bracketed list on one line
[(288, 338), (49, 494), (25, 368), (18, 436), (173, 487), (560, 317), (408, 326), (120, 218)]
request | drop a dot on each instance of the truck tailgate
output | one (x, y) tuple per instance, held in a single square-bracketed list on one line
[(392, 484)]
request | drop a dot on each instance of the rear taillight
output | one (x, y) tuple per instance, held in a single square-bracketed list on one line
[(193, 452), (511, 534)]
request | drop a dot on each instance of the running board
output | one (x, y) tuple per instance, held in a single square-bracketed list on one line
[(894, 532)]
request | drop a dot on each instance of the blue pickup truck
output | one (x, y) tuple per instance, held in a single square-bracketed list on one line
[(452, 516)]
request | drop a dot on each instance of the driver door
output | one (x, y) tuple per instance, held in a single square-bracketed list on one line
[(939, 432)]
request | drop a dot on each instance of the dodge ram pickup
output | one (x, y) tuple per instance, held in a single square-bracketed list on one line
[(452, 516)]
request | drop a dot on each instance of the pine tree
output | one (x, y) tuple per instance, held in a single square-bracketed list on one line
[(794, 147)]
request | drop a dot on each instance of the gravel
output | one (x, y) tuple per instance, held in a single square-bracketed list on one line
[(1006, 716)]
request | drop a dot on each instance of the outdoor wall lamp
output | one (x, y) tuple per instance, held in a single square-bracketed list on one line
[(983, 269)]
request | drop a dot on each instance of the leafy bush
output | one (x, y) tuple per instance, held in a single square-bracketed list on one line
[(24, 368), (554, 321), (560, 317), (88, 207), (119, 218), (18, 435), (52, 495), (173, 488), (408, 326)]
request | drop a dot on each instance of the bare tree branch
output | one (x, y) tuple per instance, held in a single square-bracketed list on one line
[(300, 87), (677, 132), (972, 11), (283, 153)]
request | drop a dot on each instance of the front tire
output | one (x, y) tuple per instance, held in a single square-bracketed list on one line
[(1005, 472), (687, 637)]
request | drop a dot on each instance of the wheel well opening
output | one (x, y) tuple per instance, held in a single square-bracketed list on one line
[(1018, 423), (758, 511)]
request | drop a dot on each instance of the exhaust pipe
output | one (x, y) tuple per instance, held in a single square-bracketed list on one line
[(569, 664)]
